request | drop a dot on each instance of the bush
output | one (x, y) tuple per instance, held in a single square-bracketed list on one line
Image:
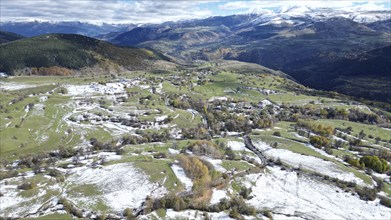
[(319, 141), (373, 162), (159, 155), (367, 193), (235, 214), (207, 148), (385, 201), (8, 174), (353, 161), (277, 133), (245, 192), (27, 186), (128, 213), (268, 214), (57, 174), (317, 128)]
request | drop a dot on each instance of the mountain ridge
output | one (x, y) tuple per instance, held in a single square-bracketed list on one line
[(71, 52)]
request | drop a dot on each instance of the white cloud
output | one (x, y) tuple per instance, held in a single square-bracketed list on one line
[(144, 11), (109, 11)]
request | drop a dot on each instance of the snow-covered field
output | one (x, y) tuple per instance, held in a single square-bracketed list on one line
[(10, 86), (181, 175), (216, 163), (13, 204), (195, 215), (287, 193), (308, 162), (218, 195), (112, 110), (95, 88), (237, 146), (123, 185), (187, 214)]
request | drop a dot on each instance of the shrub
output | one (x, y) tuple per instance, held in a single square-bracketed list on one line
[(385, 201), (316, 128), (57, 174), (268, 214), (277, 133), (8, 174), (207, 148), (353, 161), (373, 162), (367, 193), (235, 214), (245, 192), (319, 141), (27, 186), (159, 155)]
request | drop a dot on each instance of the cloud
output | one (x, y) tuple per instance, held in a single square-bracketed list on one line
[(144, 11), (109, 11)]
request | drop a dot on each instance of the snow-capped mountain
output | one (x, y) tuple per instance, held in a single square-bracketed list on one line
[(294, 14)]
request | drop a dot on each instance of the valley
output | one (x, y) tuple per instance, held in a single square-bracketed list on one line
[(170, 144), (198, 110)]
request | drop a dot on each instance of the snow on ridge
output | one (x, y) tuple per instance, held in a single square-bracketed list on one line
[(289, 13)]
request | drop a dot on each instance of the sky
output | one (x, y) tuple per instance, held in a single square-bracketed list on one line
[(138, 12)]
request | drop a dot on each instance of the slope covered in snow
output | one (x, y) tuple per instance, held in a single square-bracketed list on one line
[(290, 194)]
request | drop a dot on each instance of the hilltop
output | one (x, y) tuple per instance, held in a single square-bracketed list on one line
[(63, 54), (8, 36)]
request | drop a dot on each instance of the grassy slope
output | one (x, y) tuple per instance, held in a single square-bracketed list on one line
[(69, 51), (8, 36)]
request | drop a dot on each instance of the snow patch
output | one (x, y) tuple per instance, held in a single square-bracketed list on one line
[(217, 196), (308, 162), (237, 146), (287, 193), (173, 151), (181, 175), (195, 215), (122, 185)]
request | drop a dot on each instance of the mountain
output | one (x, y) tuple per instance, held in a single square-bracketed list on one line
[(8, 36), (70, 52), (366, 75), (35, 28), (300, 41)]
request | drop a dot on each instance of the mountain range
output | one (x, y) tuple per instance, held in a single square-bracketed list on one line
[(342, 50), (36, 28)]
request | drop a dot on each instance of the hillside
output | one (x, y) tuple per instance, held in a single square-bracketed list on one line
[(218, 140), (304, 45), (364, 75), (8, 36), (71, 52)]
